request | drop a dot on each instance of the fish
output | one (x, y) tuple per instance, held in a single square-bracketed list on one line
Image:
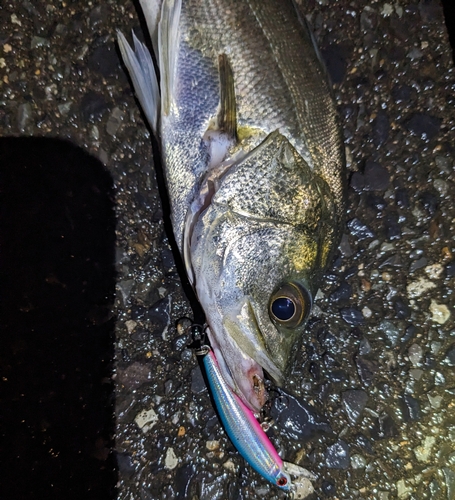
[(254, 166), (243, 429)]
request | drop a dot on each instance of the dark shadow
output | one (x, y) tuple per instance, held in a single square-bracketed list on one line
[(57, 333), (449, 15)]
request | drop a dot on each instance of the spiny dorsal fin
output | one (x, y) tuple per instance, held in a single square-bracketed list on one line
[(168, 34), (152, 14), (227, 116), (142, 72)]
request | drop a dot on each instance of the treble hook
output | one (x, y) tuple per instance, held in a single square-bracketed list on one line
[(199, 338), (197, 331)]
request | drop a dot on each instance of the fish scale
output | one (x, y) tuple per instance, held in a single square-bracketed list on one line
[(292, 93), (268, 97)]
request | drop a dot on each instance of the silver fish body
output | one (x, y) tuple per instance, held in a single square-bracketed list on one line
[(254, 168)]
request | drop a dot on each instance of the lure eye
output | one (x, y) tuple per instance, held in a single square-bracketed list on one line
[(290, 305), (282, 481)]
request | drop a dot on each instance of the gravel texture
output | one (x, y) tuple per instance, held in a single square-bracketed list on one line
[(370, 405)]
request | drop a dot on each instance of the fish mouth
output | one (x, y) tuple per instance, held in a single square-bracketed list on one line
[(245, 377), (242, 365)]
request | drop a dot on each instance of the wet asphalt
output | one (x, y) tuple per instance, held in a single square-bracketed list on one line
[(370, 405)]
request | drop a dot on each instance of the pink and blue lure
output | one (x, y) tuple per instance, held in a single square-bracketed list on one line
[(242, 427)]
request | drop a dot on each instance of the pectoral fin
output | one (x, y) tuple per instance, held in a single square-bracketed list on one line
[(221, 134), (227, 115)]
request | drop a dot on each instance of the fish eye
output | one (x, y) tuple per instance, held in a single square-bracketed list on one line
[(283, 308), (290, 305)]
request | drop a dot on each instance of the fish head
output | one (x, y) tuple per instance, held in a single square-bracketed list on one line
[(258, 252)]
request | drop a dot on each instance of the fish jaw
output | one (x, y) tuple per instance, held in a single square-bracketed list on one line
[(243, 374)]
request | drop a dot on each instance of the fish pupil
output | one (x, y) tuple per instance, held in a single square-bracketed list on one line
[(283, 308)]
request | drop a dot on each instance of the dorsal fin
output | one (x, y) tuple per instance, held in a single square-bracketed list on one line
[(142, 72), (152, 14), (168, 34), (227, 115)]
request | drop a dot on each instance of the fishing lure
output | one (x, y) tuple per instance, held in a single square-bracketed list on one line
[(242, 427)]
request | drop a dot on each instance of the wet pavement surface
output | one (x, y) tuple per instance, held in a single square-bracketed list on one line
[(370, 405)]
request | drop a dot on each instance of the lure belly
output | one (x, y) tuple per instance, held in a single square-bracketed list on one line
[(242, 427)]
